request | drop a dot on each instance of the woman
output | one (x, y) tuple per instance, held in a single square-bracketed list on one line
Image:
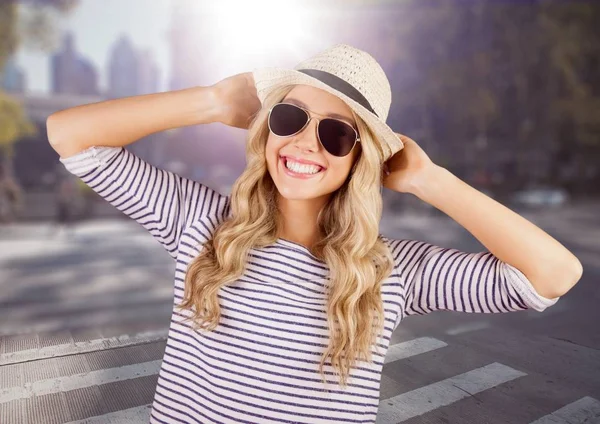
[(286, 295)]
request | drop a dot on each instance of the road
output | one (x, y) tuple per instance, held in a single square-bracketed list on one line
[(83, 321)]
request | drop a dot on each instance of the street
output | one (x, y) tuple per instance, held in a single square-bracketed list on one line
[(84, 317)]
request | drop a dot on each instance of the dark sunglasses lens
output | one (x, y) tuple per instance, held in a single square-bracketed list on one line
[(337, 137), (286, 119)]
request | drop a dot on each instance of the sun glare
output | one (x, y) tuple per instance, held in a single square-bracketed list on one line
[(256, 31)]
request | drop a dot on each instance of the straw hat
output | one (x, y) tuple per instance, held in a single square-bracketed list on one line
[(348, 73)]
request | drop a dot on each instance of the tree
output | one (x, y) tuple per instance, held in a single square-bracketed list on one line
[(524, 75), (29, 23)]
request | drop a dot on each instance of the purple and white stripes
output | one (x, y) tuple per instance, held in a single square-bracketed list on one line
[(260, 364)]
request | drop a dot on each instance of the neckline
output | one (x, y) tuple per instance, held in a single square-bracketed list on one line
[(297, 246), (304, 249)]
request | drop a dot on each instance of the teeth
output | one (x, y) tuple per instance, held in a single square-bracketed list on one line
[(300, 168)]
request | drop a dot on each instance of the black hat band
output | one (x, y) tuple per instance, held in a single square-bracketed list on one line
[(340, 85)]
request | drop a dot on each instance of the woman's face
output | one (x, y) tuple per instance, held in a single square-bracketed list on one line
[(305, 145)]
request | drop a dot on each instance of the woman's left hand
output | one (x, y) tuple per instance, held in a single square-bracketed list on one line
[(407, 168)]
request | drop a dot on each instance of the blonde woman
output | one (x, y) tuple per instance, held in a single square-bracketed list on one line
[(286, 295)]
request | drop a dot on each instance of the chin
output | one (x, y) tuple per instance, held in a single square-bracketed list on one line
[(299, 195)]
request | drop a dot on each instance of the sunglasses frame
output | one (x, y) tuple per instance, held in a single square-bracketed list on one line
[(309, 118)]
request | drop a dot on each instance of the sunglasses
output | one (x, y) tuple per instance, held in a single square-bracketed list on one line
[(336, 136)]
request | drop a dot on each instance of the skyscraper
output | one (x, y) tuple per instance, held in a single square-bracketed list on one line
[(122, 69), (70, 72), (131, 71), (148, 73)]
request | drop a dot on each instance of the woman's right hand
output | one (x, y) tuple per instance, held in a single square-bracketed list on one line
[(237, 100)]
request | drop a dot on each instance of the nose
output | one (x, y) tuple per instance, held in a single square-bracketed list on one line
[(308, 137)]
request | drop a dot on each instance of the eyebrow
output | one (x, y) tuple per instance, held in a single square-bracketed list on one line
[(333, 115)]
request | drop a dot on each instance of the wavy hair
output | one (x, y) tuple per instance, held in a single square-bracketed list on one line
[(357, 258)]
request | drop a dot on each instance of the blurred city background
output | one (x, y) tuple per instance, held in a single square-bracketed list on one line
[(505, 94)]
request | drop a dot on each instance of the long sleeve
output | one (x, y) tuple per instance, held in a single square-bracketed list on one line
[(162, 202), (436, 278)]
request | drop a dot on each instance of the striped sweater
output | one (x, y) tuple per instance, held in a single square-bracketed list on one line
[(260, 365)]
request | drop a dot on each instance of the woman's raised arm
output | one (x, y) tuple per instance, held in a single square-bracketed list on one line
[(90, 140), (120, 122)]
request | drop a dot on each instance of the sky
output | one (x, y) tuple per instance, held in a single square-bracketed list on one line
[(97, 24)]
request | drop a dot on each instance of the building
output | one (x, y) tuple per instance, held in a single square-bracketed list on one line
[(148, 73), (131, 71), (13, 77), (71, 73), (122, 69)]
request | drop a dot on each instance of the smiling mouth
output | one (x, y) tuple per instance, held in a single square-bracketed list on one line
[(288, 171), (321, 168)]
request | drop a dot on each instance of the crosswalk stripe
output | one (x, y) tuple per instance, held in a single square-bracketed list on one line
[(137, 415), (419, 401), (411, 348), (82, 347), (131, 313), (78, 381), (584, 410), (74, 307)]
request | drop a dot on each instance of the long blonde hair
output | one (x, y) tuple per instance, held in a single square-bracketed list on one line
[(357, 258)]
